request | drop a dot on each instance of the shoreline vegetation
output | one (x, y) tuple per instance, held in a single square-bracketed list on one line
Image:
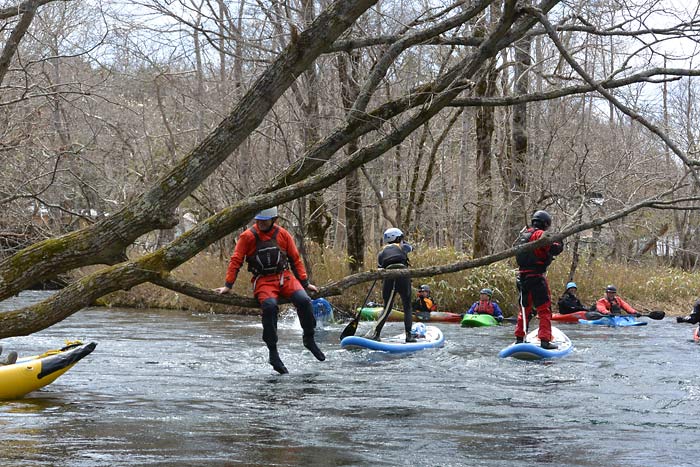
[(645, 285)]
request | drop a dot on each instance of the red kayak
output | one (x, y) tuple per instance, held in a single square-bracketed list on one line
[(569, 317), (441, 316)]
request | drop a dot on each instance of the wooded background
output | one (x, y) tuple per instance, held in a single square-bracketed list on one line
[(139, 134)]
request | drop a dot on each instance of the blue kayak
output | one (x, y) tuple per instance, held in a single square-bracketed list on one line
[(431, 337), (614, 321), (530, 349)]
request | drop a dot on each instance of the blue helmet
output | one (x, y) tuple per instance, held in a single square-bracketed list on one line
[(571, 285), (266, 214)]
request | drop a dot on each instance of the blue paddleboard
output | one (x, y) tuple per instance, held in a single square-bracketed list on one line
[(431, 337), (531, 350)]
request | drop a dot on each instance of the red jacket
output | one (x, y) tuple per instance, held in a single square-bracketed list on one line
[(605, 307), (246, 247)]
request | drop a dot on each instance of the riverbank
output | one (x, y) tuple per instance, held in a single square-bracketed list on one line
[(645, 286)]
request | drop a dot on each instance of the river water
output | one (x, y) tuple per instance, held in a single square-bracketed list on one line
[(173, 388)]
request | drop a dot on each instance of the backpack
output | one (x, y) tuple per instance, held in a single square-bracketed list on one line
[(268, 257)]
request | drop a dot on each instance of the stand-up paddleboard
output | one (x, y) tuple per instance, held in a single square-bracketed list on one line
[(476, 320), (530, 349), (426, 337), (614, 321)]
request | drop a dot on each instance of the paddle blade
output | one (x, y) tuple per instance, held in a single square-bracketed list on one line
[(656, 314), (593, 315), (350, 329)]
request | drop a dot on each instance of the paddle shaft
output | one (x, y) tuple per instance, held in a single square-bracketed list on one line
[(522, 310), (352, 326), (381, 319)]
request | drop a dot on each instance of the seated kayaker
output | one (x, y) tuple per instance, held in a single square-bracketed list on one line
[(486, 306), (569, 302), (692, 318), (424, 303), (612, 304)]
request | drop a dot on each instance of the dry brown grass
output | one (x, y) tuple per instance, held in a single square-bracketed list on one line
[(644, 287)]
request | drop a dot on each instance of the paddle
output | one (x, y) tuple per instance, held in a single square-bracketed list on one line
[(656, 314), (381, 319), (526, 325), (351, 328)]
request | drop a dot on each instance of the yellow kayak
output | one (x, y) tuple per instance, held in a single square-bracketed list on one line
[(31, 373)]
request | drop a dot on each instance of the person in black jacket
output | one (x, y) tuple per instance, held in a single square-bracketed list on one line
[(569, 302), (394, 255), (693, 317), (532, 279)]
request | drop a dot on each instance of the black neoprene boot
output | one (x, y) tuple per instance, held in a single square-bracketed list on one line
[(518, 340), (547, 345), (410, 337), (276, 362), (310, 344)]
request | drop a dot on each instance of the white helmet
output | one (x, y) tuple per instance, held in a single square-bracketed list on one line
[(266, 214), (392, 235)]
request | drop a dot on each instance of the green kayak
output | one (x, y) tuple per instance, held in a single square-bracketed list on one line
[(371, 313), (474, 321)]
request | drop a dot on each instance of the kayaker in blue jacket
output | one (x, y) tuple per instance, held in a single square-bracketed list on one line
[(486, 306)]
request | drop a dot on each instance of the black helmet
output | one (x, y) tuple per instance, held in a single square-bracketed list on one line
[(542, 220), (488, 292), (611, 288), (424, 288)]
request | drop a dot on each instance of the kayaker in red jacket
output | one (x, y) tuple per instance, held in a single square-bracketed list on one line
[(612, 304), (270, 252), (532, 280)]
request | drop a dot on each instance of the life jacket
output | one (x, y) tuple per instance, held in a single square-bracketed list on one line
[(614, 306), (392, 254), (484, 307), (425, 304), (527, 259), (268, 257)]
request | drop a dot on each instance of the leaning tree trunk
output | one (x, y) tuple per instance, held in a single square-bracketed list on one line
[(106, 241), (156, 267)]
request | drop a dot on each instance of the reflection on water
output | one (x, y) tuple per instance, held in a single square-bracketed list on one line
[(173, 388)]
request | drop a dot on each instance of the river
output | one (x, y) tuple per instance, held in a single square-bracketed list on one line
[(173, 388)]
